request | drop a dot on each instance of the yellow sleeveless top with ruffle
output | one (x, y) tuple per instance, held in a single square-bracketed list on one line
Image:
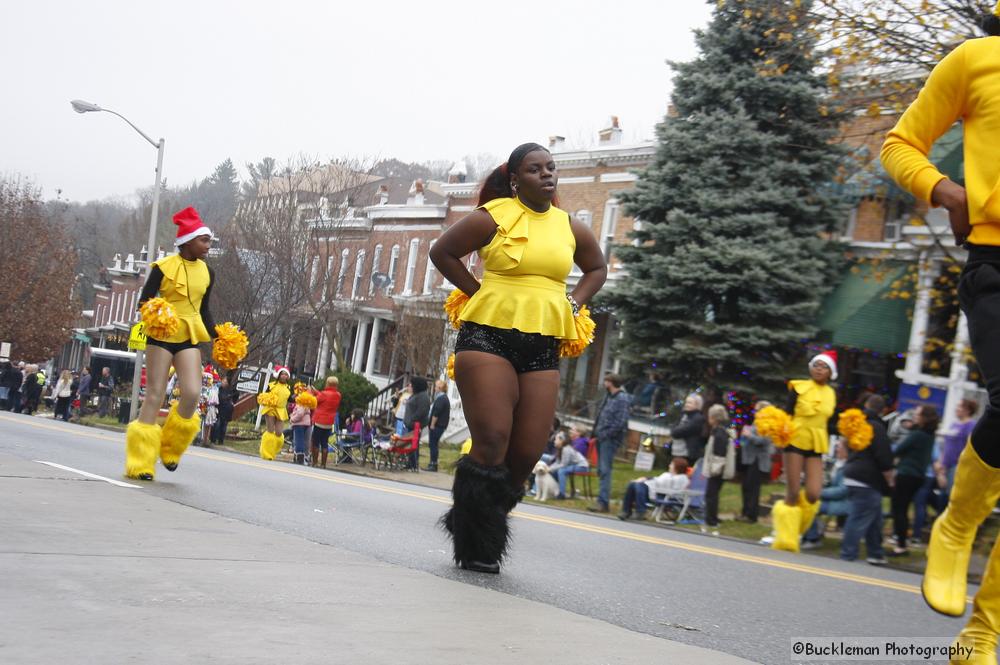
[(813, 409), (525, 267), (183, 286)]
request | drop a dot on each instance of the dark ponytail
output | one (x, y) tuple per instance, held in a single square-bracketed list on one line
[(497, 183), (990, 24)]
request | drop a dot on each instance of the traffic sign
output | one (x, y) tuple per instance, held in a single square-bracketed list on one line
[(137, 337)]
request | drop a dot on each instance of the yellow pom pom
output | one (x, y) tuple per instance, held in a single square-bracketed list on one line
[(230, 345), (454, 305), (775, 424), (268, 399), (585, 326), (306, 400), (853, 424), (451, 366), (160, 318), (298, 388)]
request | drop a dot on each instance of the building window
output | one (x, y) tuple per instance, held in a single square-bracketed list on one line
[(429, 271), (393, 264), (608, 224), (411, 266), (342, 274), (376, 260), (359, 268)]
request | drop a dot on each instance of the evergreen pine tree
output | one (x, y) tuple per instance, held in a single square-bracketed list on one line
[(732, 254)]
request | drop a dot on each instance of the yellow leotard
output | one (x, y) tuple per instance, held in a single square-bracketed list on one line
[(813, 409), (525, 269), (184, 285), (283, 393)]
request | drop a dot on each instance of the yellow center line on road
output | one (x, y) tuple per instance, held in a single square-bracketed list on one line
[(554, 521)]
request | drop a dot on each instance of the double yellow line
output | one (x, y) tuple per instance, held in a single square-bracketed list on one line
[(342, 479)]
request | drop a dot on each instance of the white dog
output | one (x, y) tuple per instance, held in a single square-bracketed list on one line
[(546, 486)]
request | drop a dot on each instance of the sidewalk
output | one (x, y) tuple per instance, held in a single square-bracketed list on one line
[(95, 573)]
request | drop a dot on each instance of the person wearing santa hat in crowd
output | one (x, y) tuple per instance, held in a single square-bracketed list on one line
[(812, 403), (274, 407), (184, 281)]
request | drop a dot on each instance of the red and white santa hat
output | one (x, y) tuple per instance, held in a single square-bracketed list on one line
[(278, 369), (190, 226), (829, 357)]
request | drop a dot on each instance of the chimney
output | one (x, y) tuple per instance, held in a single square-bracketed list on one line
[(557, 143), (118, 262), (611, 135), (416, 193), (143, 255), (458, 173), (383, 195), (130, 263), (160, 253)]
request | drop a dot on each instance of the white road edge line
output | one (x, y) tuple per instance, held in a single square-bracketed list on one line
[(89, 475)]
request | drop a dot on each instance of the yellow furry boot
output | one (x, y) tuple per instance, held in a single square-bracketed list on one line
[(975, 493), (142, 445), (178, 433), (270, 445), (984, 624), (809, 511), (786, 520)]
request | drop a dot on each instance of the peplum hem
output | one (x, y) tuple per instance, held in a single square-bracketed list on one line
[(526, 303)]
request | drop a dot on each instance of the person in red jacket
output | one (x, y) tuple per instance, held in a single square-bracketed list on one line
[(328, 401)]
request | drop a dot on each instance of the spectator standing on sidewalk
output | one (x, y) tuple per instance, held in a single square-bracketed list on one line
[(958, 436), (440, 414), (867, 475), (63, 394), (15, 396), (10, 383), (84, 390), (417, 410), (105, 388), (34, 381), (914, 458), (756, 450), (324, 420), (714, 465), (300, 420), (225, 408), (610, 427)]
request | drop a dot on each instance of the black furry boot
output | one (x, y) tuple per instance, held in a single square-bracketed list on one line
[(477, 520)]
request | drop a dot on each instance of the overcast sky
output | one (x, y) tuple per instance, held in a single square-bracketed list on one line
[(413, 80)]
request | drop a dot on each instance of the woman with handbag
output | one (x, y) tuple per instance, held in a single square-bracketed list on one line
[(714, 465)]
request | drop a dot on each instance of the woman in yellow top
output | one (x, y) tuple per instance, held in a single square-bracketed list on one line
[(965, 86), (275, 415), (184, 280), (507, 352), (812, 403)]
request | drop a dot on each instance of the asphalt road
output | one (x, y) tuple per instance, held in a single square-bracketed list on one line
[(709, 592)]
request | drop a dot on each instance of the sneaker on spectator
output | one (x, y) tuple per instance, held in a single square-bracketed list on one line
[(766, 541), (811, 544), (877, 560)]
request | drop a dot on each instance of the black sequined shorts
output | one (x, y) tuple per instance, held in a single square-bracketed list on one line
[(527, 352), (803, 453), (172, 347)]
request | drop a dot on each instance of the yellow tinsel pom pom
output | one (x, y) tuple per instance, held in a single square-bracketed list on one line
[(230, 345), (855, 427), (298, 388), (268, 399), (571, 348), (306, 400), (775, 424), (160, 318), (454, 305), (451, 366)]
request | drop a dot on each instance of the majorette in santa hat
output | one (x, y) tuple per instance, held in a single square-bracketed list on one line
[(190, 226), (278, 369), (829, 358)]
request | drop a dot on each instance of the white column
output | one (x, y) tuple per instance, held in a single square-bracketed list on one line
[(373, 346), (921, 314), (288, 345), (359, 341), (959, 372), (322, 354)]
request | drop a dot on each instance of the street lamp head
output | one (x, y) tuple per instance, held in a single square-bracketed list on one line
[(81, 106)]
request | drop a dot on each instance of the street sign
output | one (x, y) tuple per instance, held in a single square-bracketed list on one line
[(137, 337), (248, 380)]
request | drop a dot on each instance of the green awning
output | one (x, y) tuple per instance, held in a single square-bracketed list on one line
[(859, 315)]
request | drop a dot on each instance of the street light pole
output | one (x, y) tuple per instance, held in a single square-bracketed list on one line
[(81, 106)]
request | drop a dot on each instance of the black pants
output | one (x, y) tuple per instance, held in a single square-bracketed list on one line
[(979, 297), (434, 440), (752, 478), (902, 496), (712, 489), (219, 428)]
